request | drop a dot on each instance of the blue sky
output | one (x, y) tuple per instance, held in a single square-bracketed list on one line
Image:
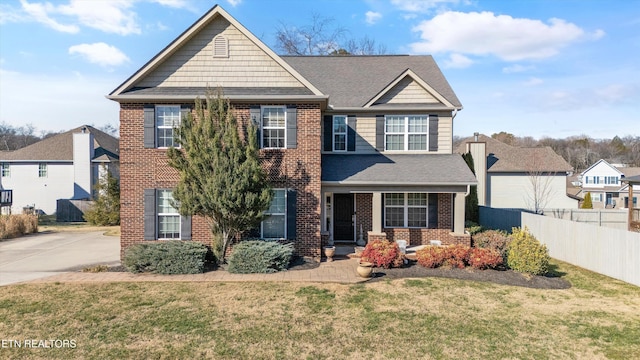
[(532, 68)]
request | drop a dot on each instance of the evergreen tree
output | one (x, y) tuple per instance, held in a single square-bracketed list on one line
[(471, 201), (221, 178), (586, 203), (105, 210)]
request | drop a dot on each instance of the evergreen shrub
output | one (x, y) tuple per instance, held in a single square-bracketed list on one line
[(257, 256), (526, 254), (166, 257)]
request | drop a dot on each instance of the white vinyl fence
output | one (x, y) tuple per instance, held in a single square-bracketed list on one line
[(605, 250), (614, 218)]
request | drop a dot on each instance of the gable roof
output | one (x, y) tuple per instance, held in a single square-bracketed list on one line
[(354, 81), (598, 163), (60, 148), (128, 89), (506, 158)]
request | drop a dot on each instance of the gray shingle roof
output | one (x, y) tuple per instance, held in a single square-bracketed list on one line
[(507, 158), (400, 169), (632, 179), (60, 147), (352, 81)]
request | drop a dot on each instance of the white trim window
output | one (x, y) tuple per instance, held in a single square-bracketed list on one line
[(42, 170), (406, 132), (6, 170), (167, 120), (339, 133), (406, 210), (274, 224), (168, 224), (273, 125)]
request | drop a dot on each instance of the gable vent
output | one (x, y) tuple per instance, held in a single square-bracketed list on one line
[(220, 46)]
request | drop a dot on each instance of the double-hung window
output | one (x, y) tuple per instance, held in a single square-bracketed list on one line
[(406, 132), (167, 120), (273, 127), (6, 172), (168, 216), (274, 224), (406, 210), (339, 133), (42, 170)]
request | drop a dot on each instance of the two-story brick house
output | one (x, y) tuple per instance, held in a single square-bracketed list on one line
[(352, 144)]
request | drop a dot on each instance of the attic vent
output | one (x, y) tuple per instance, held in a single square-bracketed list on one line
[(220, 46)]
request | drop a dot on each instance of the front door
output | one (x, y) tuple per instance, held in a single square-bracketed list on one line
[(343, 217)]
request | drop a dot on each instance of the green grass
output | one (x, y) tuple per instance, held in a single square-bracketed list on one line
[(431, 318)]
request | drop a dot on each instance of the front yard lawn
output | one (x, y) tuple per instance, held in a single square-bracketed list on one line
[(427, 318)]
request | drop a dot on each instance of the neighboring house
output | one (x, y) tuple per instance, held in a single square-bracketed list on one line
[(63, 166), (633, 190), (352, 144), (604, 182), (507, 175)]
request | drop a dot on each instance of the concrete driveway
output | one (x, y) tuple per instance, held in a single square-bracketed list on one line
[(41, 255)]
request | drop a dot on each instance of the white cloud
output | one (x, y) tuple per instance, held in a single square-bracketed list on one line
[(421, 6), (517, 68), (112, 16), (178, 4), (533, 81), (234, 3), (511, 39), (100, 53), (458, 61), (40, 13), (372, 17)]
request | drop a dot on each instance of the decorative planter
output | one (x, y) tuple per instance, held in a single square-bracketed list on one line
[(329, 251), (358, 250), (365, 269)]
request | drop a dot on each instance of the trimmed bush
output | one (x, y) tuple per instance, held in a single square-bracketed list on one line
[(526, 254), (492, 239), (484, 258), (473, 228), (383, 253), (258, 256), (166, 257), (436, 256)]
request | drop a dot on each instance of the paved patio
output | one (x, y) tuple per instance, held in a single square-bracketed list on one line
[(341, 270)]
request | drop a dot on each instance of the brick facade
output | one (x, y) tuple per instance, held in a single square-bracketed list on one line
[(298, 169)]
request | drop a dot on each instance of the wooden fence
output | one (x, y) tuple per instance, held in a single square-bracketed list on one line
[(71, 210)]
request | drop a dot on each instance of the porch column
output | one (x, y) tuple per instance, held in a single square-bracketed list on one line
[(376, 212), (458, 215)]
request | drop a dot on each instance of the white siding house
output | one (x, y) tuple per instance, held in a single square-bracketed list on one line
[(64, 166), (604, 182)]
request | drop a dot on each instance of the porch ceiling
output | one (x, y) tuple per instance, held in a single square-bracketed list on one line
[(396, 170)]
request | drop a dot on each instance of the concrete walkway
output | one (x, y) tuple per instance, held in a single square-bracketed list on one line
[(342, 270)]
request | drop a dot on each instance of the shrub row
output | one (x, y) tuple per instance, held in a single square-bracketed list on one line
[(458, 256), (258, 256), (383, 253), (166, 257), (12, 226)]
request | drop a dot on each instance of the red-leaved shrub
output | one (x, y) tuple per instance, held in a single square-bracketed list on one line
[(431, 256), (458, 256), (383, 253), (484, 258)]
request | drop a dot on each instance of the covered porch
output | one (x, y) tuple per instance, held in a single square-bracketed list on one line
[(413, 197), (633, 205)]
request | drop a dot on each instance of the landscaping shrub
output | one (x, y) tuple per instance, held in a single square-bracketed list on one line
[(166, 257), (383, 253), (526, 254), (480, 258), (472, 228), (258, 256), (17, 225), (492, 239), (436, 256)]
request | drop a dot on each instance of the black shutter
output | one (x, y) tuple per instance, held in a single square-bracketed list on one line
[(291, 214), (149, 214), (351, 133), (292, 127), (432, 221), (380, 132), (185, 227), (433, 132), (328, 133), (149, 126), (254, 113)]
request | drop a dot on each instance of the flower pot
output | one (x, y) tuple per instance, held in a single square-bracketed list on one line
[(329, 251), (365, 269), (358, 250)]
